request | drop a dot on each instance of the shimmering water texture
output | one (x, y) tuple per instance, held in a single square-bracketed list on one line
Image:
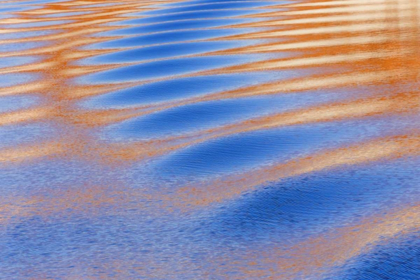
[(210, 139)]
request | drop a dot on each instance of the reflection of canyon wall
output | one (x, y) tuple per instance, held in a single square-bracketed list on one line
[(331, 45), (375, 43)]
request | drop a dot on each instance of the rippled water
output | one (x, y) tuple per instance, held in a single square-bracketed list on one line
[(209, 139)]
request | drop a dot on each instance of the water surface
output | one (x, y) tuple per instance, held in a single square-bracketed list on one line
[(209, 139)]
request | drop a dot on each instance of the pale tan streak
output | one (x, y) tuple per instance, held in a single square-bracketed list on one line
[(92, 119), (330, 81), (53, 9), (316, 11), (45, 11), (42, 28), (368, 17), (41, 12), (83, 91), (50, 27), (19, 154), (77, 92), (7, 21), (75, 24), (183, 5), (210, 10), (81, 54), (307, 62), (116, 14), (58, 36), (71, 3), (123, 4), (345, 3), (324, 113), (100, 11), (55, 48), (86, 16), (32, 87), (12, 1), (72, 71), (345, 41), (26, 115), (233, 186), (256, 66), (88, 199), (61, 26), (348, 9), (25, 68), (347, 28)]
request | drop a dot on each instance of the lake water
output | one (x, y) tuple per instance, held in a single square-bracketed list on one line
[(210, 139)]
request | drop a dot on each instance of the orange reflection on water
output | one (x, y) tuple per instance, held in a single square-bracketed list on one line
[(233, 186), (345, 44)]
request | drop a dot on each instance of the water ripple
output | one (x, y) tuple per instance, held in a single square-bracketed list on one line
[(209, 139)]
